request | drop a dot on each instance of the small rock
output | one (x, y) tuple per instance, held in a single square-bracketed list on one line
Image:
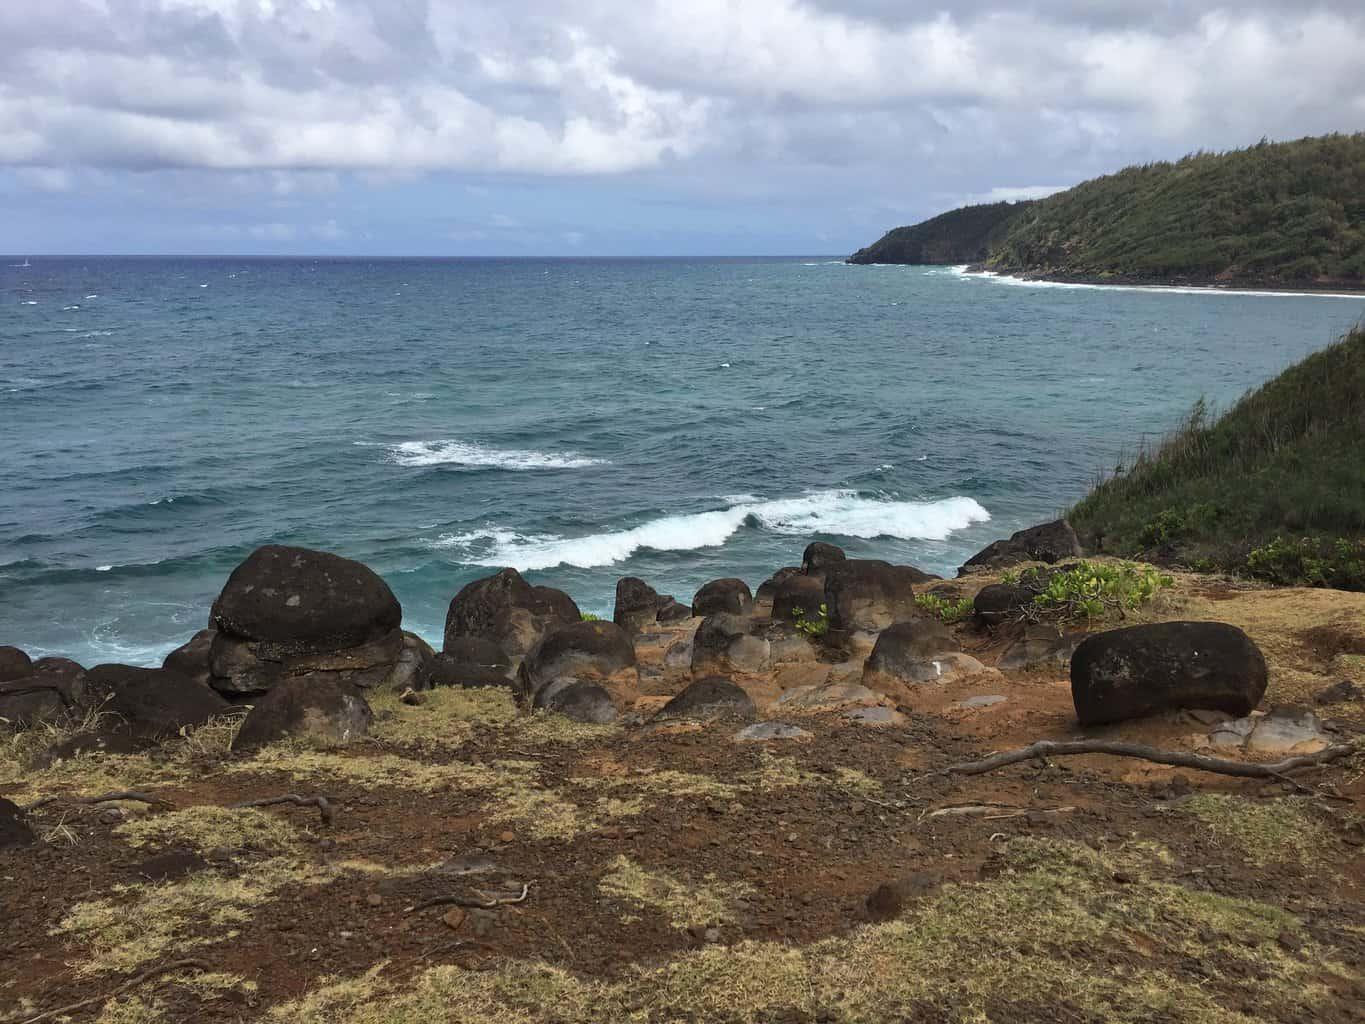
[(14, 830), (1340, 693), (506, 837), (762, 731), (832, 697), (1287, 730), (984, 701), (412, 698), (711, 935), (878, 717), (374, 899), (454, 918), (110, 816)]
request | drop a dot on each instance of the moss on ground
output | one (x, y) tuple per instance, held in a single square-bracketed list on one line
[(1052, 929)]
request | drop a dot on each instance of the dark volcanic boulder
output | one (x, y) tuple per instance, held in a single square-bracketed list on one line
[(907, 652), (477, 650), (445, 669), (317, 708), (798, 597), (1041, 645), (1001, 602), (727, 595), (584, 650), (154, 702), (637, 605), (819, 556), (578, 699), (14, 830), (1141, 670), (409, 671), (53, 689), (723, 643), (863, 594), (708, 699), (507, 610), (671, 611), (191, 659), (14, 664), (767, 590), (1048, 542), (295, 601)]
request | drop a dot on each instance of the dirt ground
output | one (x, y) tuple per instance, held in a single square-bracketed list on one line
[(645, 874)]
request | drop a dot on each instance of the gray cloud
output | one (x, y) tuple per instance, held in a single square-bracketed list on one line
[(709, 98)]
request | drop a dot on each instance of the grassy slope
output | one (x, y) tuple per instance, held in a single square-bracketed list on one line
[(1288, 460), (1278, 213), (965, 235)]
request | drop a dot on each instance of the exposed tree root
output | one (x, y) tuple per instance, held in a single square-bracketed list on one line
[(103, 798), (469, 901), (325, 807), (134, 982), (1244, 769)]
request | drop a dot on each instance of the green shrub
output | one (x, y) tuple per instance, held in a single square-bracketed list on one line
[(1093, 591), (816, 626), (590, 617), (948, 611), (1310, 562)]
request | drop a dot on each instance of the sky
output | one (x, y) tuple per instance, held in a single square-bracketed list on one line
[(617, 127)]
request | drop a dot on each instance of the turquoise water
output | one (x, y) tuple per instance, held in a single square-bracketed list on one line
[(581, 420)]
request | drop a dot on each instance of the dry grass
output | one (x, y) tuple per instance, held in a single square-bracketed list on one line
[(1052, 930), (207, 827), (685, 904), (1266, 831), (372, 769)]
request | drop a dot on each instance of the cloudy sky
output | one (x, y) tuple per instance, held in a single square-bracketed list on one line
[(617, 127)]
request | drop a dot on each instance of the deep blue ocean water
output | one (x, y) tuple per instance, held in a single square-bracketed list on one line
[(581, 420)]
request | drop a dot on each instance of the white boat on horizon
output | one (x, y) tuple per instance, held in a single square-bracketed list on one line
[(22, 266)]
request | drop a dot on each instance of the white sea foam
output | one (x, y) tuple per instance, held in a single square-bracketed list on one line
[(68, 308), (103, 568), (1021, 282), (839, 513), (92, 296), (29, 302), (466, 453)]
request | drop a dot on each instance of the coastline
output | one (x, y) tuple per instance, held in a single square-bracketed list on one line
[(1344, 290)]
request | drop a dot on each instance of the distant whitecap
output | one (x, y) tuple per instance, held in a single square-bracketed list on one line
[(469, 454)]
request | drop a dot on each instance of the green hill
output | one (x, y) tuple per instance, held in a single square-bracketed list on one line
[(965, 235), (1283, 213), (1274, 487), (1289, 214)]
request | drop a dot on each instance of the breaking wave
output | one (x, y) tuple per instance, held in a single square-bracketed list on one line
[(477, 456), (838, 513)]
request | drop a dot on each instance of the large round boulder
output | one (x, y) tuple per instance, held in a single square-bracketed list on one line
[(294, 601), (191, 659), (723, 643), (14, 663), (592, 650), (54, 689), (1048, 542), (507, 610), (910, 654), (637, 605), (1002, 602), (477, 650), (577, 699), (865, 594), (728, 595), (713, 697), (798, 598), (445, 669), (409, 671), (1142, 670), (154, 702), (671, 611), (319, 709)]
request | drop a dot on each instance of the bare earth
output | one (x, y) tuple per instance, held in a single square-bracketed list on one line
[(649, 874)]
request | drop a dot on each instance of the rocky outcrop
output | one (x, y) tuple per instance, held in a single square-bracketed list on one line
[(507, 610), (913, 654), (724, 643), (1048, 542), (595, 651), (1142, 670), (479, 651), (445, 669), (191, 659), (964, 235), (288, 612), (709, 699), (51, 689), (14, 663), (670, 610), (863, 594), (1041, 645), (728, 595), (319, 708), (155, 703), (819, 556), (637, 605), (998, 603)]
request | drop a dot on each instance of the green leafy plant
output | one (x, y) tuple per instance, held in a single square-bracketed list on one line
[(813, 627), (590, 617), (1092, 590), (942, 608), (1311, 562)]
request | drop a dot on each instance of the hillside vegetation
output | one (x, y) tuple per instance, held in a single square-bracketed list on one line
[(965, 235), (1289, 214), (1281, 213), (1273, 488)]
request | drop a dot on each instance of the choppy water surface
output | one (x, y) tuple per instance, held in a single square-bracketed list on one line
[(580, 420)]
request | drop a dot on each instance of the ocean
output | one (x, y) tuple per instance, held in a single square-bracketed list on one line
[(580, 420)]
